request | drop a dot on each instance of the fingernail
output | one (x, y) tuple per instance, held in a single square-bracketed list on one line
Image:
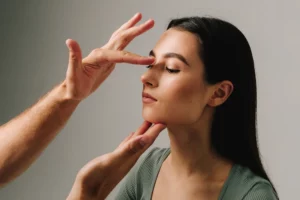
[(138, 13), (163, 125), (159, 123), (154, 62)]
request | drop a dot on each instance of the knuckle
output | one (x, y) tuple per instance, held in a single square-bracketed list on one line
[(137, 30), (73, 56), (94, 51), (125, 53), (114, 34), (105, 160), (124, 37), (132, 149), (98, 52)]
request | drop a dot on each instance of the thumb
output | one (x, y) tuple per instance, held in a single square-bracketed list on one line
[(75, 57)]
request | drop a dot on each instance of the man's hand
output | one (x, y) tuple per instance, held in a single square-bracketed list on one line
[(32, 131), (98, 178), (85, 75)]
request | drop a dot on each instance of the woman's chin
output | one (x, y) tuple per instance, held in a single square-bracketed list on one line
[(153, 118)]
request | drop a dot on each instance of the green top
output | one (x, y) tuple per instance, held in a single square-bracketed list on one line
[(242, 184)]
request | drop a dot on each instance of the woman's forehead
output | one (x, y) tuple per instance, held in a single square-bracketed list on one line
[(177, 41)]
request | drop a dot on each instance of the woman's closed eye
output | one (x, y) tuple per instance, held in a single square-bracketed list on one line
[(168, 69)]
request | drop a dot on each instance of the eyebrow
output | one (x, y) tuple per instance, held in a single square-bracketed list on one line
[(172, 55)]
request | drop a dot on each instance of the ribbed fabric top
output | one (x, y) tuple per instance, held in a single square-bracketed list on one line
[(241, 184)]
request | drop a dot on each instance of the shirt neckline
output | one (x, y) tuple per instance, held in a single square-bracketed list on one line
[(164, 157)]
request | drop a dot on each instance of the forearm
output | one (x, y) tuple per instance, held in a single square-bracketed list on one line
[(26, 136)]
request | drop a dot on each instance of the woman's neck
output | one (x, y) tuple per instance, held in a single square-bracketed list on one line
[(192, 154)]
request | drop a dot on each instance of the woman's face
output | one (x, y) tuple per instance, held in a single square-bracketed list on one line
[(176, 81)]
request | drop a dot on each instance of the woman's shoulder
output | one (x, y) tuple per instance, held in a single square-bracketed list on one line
[(151, 161), (261, 191), (243, 184), (155, 155)]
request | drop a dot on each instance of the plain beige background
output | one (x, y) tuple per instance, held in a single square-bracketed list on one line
[(34, 59)]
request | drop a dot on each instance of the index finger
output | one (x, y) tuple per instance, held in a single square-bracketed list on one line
[(140, 143), (127, 57), (143, 128), (112, 56), (152, 133)]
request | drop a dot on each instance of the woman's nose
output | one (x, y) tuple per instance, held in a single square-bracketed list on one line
[(148, 79)]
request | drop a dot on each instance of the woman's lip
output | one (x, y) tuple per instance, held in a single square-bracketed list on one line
[(148, 96), (148, 100)]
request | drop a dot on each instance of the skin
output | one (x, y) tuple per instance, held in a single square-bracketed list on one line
[(186, 104), (32, 131), (98, 178)]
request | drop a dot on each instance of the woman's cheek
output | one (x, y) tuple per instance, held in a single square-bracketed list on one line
[(182, 91), (173, 87)]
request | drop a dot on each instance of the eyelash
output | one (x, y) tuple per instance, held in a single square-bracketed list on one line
[(172, 71)]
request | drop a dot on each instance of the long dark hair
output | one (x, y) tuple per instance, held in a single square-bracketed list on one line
[(227, 55)]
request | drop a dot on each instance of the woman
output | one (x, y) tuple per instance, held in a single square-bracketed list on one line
[(203, 88)]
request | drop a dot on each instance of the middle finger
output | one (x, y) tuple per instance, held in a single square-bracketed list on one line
[(138, 30), (142, 129), (123, 38), (130, 23)]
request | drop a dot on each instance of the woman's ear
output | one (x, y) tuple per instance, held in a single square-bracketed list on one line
[(221, 93)]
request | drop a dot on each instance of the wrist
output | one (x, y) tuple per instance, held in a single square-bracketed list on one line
[(61, 95), (76, 195), (78, 192)]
